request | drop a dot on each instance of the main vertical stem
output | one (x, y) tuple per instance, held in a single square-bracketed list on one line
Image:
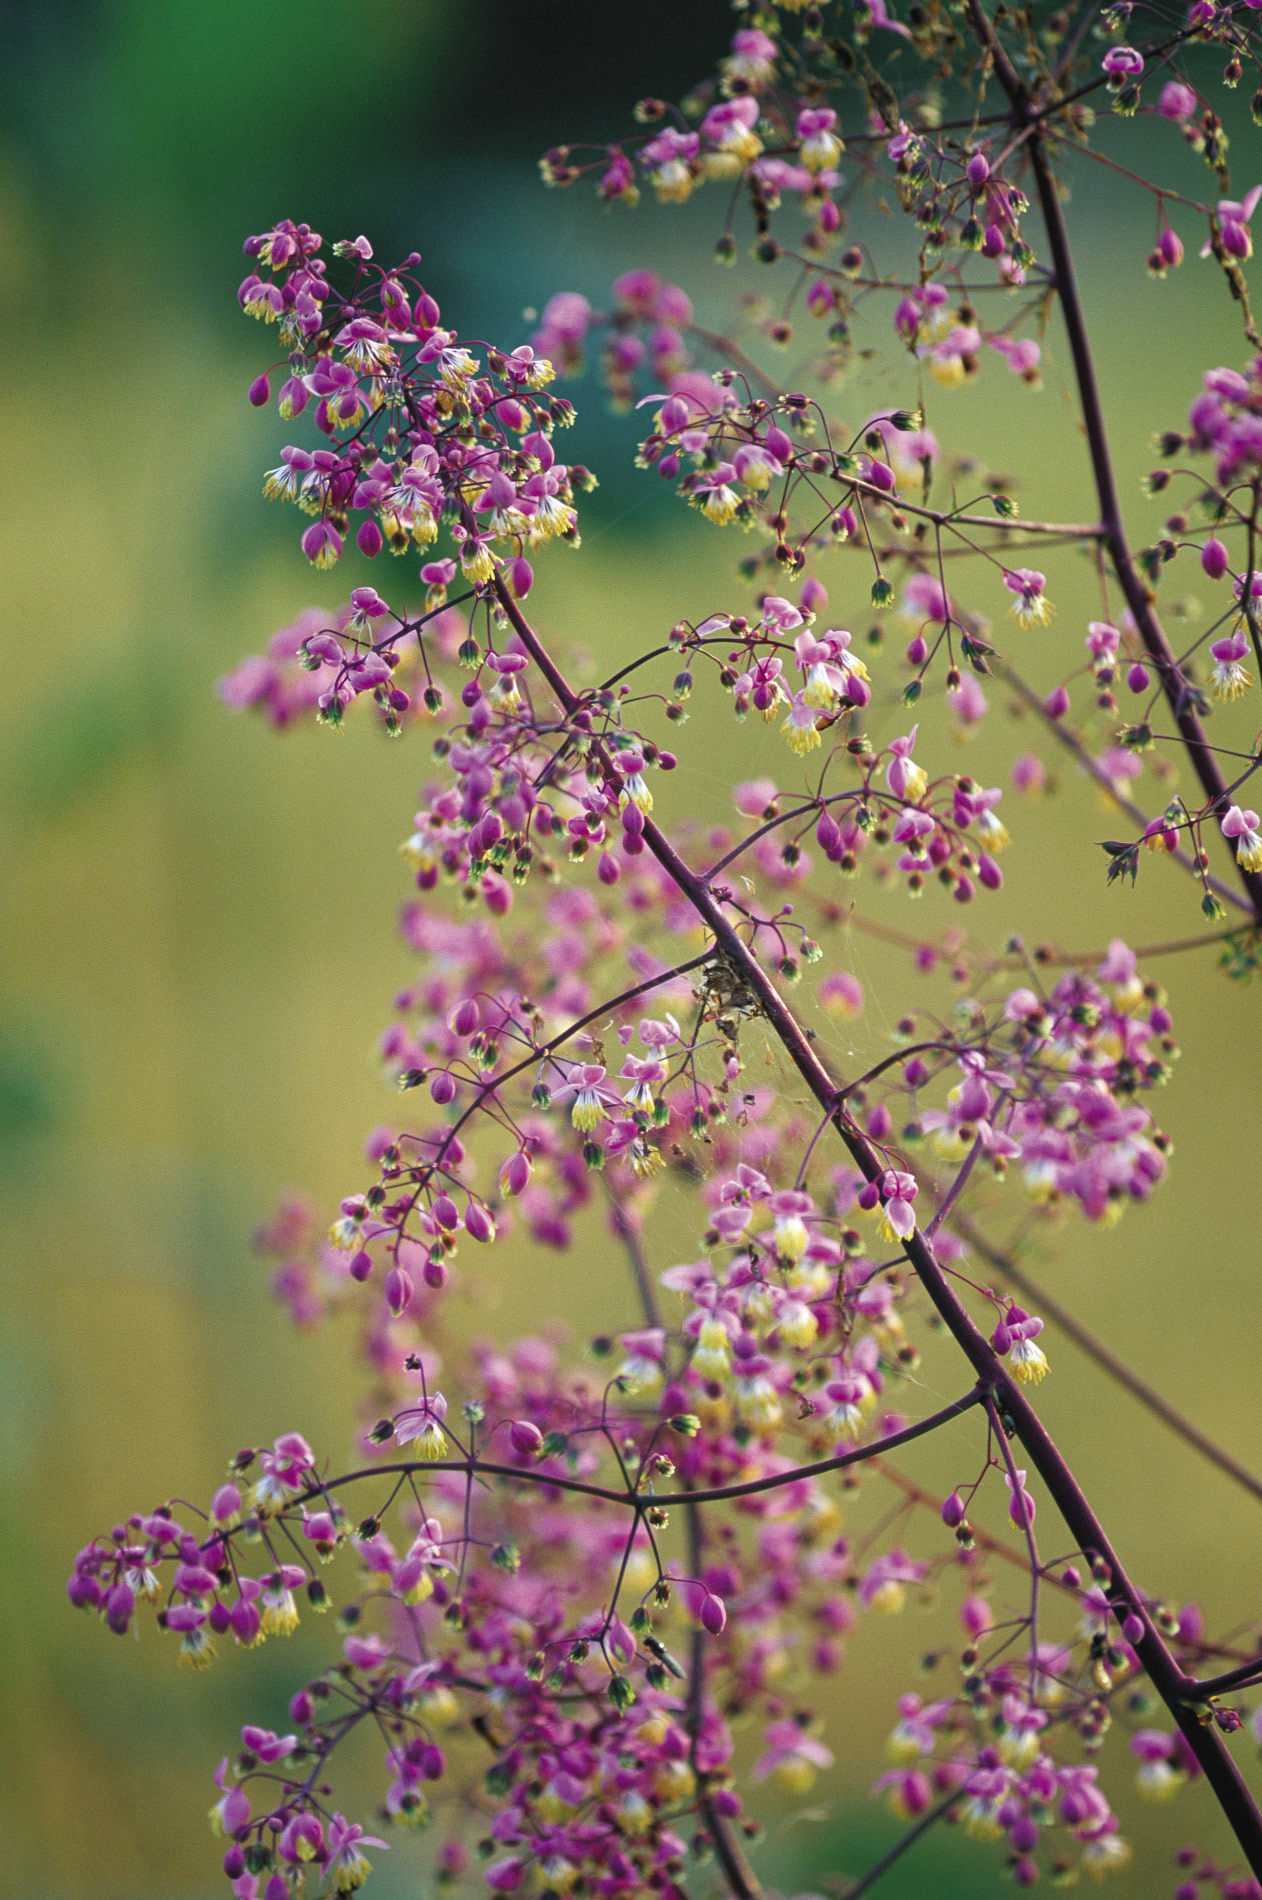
[(1134, 588), (1174, 1688)]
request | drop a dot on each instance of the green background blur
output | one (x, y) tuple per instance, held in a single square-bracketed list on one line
[(198, 950)]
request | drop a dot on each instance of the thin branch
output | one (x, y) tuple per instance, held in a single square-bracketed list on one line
[(1134, 812), (1138, 594), (1049, 1307), (628, 1234), (904, 1841), (727, 1849), (1167, 1678)]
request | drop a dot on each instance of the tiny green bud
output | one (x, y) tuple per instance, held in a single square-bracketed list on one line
[(621, 1694)]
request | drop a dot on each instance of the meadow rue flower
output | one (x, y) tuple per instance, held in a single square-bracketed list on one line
[(751, 62), (1243, 827), (904, 777), (592, 1099), (232, 1811), (712, 1354), (278, 1608), (1233, 225), (1156, 1777), (819, 146), (345, 1860), (897, 1213), (1021, 1506), (801, 726), (1230, 678), (1177, 101), (512, 1570), (284, 1468), (729, 128), (841, 994), (422, 1425), (1014, 1339), (1030, 606), (792, 1755), (670, 161), (1123, 62), (642, 1368), (885, 1580)]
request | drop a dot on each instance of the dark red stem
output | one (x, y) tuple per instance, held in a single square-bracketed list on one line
[(1137, 593), (1163, 1671)]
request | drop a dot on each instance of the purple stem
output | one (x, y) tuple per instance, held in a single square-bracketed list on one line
[(1046, 1304), (1138, 595), (642, 1500), (1167, 1678)]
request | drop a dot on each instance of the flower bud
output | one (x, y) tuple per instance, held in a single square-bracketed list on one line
[(225, 1506), (525, 1438), (713, 1615), (515, 1173), (445, 1211), (478, 1223), (398, 1290)]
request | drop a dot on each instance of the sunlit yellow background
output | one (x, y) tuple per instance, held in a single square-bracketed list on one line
[(198, 949)]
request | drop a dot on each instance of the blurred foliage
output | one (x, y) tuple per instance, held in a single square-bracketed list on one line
[(197, 955)]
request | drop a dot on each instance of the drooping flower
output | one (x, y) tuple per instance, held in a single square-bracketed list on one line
[(820, 147), (422, 1425), (1014, 1339), (1030, 606), (346, 1862), (1233, 225), (1123, 62), (592, 1098), (792, 1755), (1243, 826), (801, 727), (1230, 678)]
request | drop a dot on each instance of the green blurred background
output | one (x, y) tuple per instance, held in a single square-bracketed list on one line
[(198, 950)]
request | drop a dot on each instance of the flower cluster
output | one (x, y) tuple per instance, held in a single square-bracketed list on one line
[(587, 1589), (419, 428)]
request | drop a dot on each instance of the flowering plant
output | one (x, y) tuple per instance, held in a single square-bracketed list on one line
[(586, 1599)]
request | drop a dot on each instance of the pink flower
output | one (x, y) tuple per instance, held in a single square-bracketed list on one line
[(232, 1810), (820, 147), (1021, 1506), (1177, 101), (1243, 826), (878, 15), (898, 1192), (792, 1755), (1030, 605), (422, 1425), (347, 1864), (1233, 225), (1230, 677), (882, 1587), (592, 1098)]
